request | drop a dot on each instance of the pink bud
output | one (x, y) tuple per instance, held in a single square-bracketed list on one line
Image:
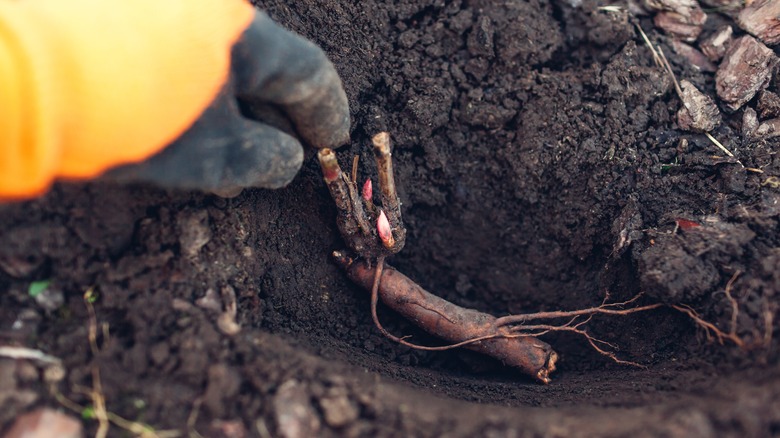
[(384, 230), (368, 190)]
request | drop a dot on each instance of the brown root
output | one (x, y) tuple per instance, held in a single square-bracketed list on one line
[(462, 327)]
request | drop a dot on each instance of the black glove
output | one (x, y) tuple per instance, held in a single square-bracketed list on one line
[(281, 81)]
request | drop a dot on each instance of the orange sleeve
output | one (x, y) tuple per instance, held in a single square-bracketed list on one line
[(86, 85)]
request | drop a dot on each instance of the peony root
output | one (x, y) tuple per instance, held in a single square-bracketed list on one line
[(463, 327)]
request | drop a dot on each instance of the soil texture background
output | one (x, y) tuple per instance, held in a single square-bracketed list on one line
[(540, 167)]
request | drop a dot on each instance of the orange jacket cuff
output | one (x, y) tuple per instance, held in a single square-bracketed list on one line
[(87, 85)]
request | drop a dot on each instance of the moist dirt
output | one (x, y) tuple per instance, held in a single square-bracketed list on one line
[(540, 167)]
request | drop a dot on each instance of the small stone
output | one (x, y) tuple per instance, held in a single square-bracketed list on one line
[(210, 301), (768, 105), (746, 68), (698, 113), (194, 231), (181, 305), (762, 19), (295, 416), (685, 27), (51, 298), (715, 45), (54, 373), (226, 323), (45, 423), (338, 410)]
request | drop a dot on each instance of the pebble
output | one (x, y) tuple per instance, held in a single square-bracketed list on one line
[(194, 231), (338, 410), (295, 416)]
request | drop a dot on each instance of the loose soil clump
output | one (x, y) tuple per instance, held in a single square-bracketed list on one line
[(540, 166)]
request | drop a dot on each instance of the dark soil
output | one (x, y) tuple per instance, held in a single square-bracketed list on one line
[(539, 164)]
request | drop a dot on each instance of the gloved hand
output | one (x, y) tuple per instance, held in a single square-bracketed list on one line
[(142, 90)]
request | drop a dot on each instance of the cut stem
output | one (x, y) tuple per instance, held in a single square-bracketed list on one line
[(352, 216), (384, 164), (390, 202), (331, 170)]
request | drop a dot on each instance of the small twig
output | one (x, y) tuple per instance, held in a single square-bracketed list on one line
[(193, 418), (720, 146), (98, 400), (656, 58), (668, 68), (355, 161)]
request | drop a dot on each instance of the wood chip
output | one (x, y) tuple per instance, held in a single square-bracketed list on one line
[(694, 57), (746, 69), (768, 105), (762, 19), (686, 27), (698, 113), (715, 45), (768, 129), (680, 6), (723, 3)]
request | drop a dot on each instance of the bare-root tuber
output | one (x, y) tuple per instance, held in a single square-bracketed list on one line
[(468, 328)]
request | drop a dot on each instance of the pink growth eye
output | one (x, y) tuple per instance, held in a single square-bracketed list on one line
[(368, 190), (384, 230)]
